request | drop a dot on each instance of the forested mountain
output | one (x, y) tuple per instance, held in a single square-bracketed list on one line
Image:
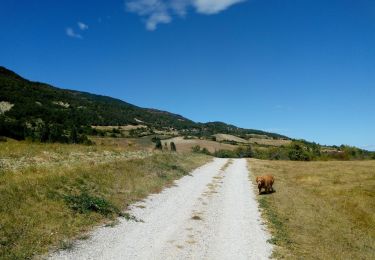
[(41, 111)]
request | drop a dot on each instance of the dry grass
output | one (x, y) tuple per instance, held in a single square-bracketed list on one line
[(16, 155), (321, 210), (35, 200), (130, 144), (226, 165)]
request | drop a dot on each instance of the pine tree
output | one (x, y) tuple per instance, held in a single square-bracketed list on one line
[(173, 147), (74, 135), (158, 145)]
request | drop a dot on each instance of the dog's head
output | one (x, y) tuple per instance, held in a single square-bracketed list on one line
[(260, 181)]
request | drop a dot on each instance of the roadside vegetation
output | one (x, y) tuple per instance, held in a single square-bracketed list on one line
[(320, 210), (53, 193), (296, 150)]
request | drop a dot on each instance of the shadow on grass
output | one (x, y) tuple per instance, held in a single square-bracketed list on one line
[(267, 193)]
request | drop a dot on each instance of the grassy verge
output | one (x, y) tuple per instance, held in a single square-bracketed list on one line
[(44, 206), (320, 210)]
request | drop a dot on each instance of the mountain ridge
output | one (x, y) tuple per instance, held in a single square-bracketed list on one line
[(35, 103)]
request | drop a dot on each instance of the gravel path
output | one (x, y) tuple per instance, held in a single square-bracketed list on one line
[(212, 214)]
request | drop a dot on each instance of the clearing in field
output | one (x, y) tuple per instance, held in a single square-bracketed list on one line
[(185, 145)]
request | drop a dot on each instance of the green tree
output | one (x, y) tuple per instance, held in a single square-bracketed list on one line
[(45, 133)]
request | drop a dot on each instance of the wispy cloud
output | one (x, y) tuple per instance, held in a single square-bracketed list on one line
[(82, 26), (71, 33), (277, 130), (162, 11), (369, 147)]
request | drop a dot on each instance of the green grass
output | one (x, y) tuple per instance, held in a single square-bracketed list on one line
[(44, 206), (320, 210)]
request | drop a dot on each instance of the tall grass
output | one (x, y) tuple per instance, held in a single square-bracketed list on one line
[(45, 206), (320, 210)]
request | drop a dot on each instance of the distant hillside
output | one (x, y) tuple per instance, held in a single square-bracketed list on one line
[(41, 111)]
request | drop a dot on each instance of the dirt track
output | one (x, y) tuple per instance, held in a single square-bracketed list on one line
[(211, 214)]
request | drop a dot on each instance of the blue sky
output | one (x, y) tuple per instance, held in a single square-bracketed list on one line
[(303, 68)]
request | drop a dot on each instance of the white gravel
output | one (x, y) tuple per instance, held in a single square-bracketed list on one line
[(227, 224)]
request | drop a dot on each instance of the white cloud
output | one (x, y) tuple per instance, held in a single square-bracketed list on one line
[(82, 26), (155, 19), (162, 11), (71, 33), (213, 6)]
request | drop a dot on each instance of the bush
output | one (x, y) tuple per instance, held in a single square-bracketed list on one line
[(196, 149), (298, 153), (244, 151), (205, 151), (225, 154)]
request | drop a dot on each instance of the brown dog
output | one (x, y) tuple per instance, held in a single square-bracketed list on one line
[(265, 182)]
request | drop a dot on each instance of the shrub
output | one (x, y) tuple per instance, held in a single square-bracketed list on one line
[(205, 151), (225, 154), (196, 149)]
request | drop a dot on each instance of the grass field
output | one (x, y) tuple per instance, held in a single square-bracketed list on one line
[(320, 210), (52, 193)]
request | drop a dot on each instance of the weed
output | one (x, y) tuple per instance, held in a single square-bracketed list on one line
[(84, 237), (128, 216), (66, 244), (84, 203), (196, 217), (112, 223)]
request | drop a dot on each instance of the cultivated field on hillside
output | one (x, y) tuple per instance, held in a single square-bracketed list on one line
[(226, 137), (270, 142), (185, 145), (51, 193), (320, 210), (256, 139)]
